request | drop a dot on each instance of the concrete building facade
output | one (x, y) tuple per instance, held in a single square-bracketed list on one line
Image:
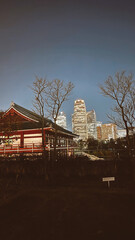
[(79, 119), (61, 120), (85, 125), (91, 124), (109, 131), (99, 130), (121, 133)]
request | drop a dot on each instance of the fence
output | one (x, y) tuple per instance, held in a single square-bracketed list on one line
[(32, 148)]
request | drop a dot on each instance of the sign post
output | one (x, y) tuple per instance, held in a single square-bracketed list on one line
[(108, 180)]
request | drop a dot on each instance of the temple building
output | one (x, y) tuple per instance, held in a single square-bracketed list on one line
[(21, 132)]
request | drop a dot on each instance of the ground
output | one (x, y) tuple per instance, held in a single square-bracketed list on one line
[(75, 211)]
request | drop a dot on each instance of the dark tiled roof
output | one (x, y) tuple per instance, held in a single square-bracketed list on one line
[(26, 112), (36, 117)]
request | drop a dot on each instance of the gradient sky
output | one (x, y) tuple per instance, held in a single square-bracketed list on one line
[(79, 41)]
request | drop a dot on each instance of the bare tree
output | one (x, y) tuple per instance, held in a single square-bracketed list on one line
[(121, 89), (56, 94), (49, 97), (39, 87)]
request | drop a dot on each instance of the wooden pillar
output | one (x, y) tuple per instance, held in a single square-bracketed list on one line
[(22, 140), (49, 148), (44, 137)]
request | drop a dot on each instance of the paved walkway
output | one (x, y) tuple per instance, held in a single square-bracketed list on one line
[(92, 157)]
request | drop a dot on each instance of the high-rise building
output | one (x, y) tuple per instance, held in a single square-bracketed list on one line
[(91, 124), (121, 133), (106, 131), (79, 119), (99, 130), (109, 131), (61, 120)]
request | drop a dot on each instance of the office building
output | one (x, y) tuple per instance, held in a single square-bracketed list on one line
[(61, 120), (109, 131), (79, 119), (91, 124)]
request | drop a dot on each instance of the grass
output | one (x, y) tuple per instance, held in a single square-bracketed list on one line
[(79, 210)]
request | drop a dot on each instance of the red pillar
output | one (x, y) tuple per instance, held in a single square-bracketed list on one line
[(22, 140)]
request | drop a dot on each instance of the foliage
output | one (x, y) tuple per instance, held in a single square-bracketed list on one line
[(81, 144), (92, 143)]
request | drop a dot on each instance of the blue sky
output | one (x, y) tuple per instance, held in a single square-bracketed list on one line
[(79, 41)]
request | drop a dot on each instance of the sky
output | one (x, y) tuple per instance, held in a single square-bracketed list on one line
[(79, 41)]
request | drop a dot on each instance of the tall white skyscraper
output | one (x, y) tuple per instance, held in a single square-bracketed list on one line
[(79, 119), (61, 120), (91, 124)]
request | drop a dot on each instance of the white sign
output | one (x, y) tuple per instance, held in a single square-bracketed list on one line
[(108, 180)]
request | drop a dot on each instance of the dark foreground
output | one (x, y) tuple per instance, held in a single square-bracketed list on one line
[(76, 211)]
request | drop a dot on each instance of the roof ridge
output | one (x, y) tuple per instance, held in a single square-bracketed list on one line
[(26, 109)]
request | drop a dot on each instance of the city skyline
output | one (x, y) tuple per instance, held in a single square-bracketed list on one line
[(85, 125), (90, 116), (83, 42)]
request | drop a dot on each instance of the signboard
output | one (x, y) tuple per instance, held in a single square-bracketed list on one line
[(108, 180)]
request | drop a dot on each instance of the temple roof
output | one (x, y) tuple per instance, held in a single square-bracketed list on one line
[(29, 114), (34, 120)]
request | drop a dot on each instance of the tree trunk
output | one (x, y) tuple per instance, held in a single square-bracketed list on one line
[(55, 142), (44, 155), (43, 140), (127, 133)]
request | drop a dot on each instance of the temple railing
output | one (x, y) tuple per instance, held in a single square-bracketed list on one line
[(31, 148)]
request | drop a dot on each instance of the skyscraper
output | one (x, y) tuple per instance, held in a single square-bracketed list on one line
[(79, 119), (61, 120), (91, 124), (99, 130), (109, 131), (106, 131)]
